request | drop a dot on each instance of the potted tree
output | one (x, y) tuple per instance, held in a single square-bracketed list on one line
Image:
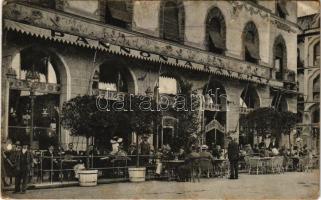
[(143, 115), (82, 118)]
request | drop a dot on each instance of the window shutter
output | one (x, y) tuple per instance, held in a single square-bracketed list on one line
[(252, 49), (119, 10), (171, 21), (217, 40), (282, 7)]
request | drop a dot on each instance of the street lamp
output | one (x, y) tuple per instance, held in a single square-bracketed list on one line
[(32, 77)]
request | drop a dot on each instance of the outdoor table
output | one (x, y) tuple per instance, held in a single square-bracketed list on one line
[(171, 166)]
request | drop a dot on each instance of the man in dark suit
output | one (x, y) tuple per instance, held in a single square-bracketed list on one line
[(23, 160), (233, 156)]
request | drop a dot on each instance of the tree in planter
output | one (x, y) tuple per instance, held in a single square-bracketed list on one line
[(263, 121), (143, 116), (81, 116), (287, 123)]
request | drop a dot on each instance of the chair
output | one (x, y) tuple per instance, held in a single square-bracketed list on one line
[(190, 170), (256, 164), (206, 166)]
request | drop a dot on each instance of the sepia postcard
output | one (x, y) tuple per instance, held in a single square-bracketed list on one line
[(160, 99)]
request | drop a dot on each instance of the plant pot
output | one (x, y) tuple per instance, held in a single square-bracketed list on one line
[(137, 174), (88, 177)]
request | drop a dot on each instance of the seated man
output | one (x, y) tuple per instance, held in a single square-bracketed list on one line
[(70, 161), (50, 163)]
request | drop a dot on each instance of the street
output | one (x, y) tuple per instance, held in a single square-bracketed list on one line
[(291, 185)]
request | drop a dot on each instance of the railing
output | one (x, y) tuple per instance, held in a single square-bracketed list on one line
[(244, 110), (53, 169)]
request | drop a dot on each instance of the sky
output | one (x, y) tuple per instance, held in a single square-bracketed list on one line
[(308, 7)]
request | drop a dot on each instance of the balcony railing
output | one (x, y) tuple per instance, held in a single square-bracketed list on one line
[(244, 110)]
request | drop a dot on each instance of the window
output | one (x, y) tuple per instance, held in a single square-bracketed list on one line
[(316, 54), (39, 97), (251, 43), (281, 10), (279, 56), (118, 13), (43, 3), (111, 79), (216, 31), (172, 20), (316, 88)]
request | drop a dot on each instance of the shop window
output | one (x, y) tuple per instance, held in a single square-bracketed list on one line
[(316, 54), (118, 13), (279, 56), (216, 31), (172, 20), (281, 10), (251, 43), (316, 88)]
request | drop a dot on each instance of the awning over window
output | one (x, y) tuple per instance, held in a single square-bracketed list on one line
[(252, 49), (282, 6), (118, 10), (217, 40)]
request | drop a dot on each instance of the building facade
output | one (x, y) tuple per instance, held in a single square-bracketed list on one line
[(243, 52), (309, 79)]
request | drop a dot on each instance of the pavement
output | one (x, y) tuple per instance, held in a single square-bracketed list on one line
[(290, 185)]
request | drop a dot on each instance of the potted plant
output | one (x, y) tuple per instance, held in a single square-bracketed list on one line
[(81, 116), (143, 115)]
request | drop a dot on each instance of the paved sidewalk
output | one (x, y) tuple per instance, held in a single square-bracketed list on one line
[(291, 185)]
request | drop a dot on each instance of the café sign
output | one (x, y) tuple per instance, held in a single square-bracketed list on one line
[(65, 28)]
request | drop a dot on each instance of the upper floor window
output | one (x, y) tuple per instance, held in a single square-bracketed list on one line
[(251, 43), (216, 31), (44, 3), (316, 54), (316, 88), (280, 57), (172, 20), (118, 13), (281, 10)]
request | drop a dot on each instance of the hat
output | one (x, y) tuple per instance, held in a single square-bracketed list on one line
[(204, 147), (116, 139), (18, 143)]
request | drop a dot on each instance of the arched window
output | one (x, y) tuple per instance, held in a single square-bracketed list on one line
[(281, 10), (251, 43), (316, 54), (35, 92), (172, 20), (279, 57), (216, 31), (316, 88), (110, 79), (118, 12)]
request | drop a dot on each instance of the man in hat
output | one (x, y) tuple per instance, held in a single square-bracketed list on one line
[(233, 156), (22, 162), (144, 150)]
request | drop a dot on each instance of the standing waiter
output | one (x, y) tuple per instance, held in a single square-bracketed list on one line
[(233, 156)]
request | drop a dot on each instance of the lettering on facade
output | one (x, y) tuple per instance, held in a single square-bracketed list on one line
[(110, 39)]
